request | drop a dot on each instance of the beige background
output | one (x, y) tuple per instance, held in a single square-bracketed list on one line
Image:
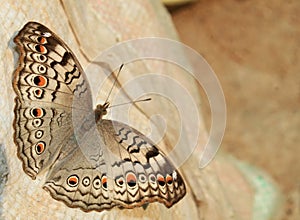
[(253, 47)]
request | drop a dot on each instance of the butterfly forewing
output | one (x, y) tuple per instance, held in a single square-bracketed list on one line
[(46, 83)]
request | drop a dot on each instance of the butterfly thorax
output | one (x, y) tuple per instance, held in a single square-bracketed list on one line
[(101, 110)]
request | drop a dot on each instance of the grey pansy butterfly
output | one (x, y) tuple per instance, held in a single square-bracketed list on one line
[(50, 83)]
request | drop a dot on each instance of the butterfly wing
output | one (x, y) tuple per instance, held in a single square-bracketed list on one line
[(138, 173), (128, 171), (147, 174), (48, 82)]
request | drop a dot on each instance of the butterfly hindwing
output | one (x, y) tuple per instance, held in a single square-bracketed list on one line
[(140, 173), (145, 170)]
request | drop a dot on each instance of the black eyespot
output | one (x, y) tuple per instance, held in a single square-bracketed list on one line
[(37, 122), (41, 68), (86, 181), (120, 181), (97, 182), (142, 178), (42, 57), (39, 134), (152, 178)]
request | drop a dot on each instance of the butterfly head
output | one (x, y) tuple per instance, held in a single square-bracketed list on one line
[(101, 110)]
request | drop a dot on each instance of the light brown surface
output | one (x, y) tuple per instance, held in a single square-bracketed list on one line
[(253, 47), (88, 29), (90, 26)]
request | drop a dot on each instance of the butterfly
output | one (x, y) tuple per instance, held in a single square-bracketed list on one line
[(52, 92)]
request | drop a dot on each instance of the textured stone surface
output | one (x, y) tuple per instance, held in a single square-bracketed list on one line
[(88, 28)]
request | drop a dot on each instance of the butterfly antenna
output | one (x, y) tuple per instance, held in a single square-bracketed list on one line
[(114, 83), (126, 103)]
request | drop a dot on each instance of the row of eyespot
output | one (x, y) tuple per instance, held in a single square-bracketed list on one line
[(37, 114), (131, 180), (39, 80)]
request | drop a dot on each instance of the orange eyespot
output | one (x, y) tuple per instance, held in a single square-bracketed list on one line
[(37, 112), (40, 81), (169, 179), (131, 179), (161, 180), (73, 180), (41, 40), (120, 181), (104, 182), (38, 93), (40, 48), (40, 147)]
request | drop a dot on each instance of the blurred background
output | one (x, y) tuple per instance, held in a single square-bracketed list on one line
[(254, 49)]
